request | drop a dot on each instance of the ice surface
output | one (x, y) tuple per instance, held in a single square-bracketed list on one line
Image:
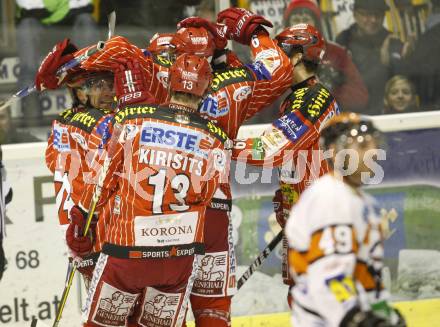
[(261, 294), (418, 274)]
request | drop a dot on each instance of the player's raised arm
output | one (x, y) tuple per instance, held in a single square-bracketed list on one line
[(304, 111)]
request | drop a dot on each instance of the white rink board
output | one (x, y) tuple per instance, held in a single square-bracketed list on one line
[(29, 286), (31, 291)]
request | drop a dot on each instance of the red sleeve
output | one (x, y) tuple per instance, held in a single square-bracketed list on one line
[(51, 153), (296, 130), (273, 71), (98, 152)]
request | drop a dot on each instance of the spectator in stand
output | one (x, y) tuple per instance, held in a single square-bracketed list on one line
[(337, 71), (375, 51), (206, 9), (40, 25), (400, 96), (9, 133), (423, 66)]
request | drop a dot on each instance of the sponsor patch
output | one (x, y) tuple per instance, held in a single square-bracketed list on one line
[(291, 126), (162, 230), (61, 138), (260, 71), (270, 58), (113, 306), (215, 105), (242, 93), (211, 275), (159, 308), (86, 120), (230, 76), (172, 137)]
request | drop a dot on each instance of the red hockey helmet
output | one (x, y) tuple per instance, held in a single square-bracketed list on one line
[(303, 36), (190, 74), (193, 40), (160, 43)]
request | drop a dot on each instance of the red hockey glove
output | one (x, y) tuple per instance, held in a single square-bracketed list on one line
[(217, 30), (130, 83), (277, 202), (79, 244), (46, 76), (241, 24)]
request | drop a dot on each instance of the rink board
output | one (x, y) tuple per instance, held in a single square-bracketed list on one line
[(423, 313), (33, 283)]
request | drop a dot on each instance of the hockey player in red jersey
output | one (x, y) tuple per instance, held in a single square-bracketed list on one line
[(68, 154), (165, 170), (295, 135), (337, 254), (236, 94)]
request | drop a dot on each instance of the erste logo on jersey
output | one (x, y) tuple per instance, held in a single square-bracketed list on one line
[(215, 105), (61, 138), (172, 137)]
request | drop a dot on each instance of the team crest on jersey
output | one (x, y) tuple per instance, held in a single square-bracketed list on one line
[(61, 139), (215, 106), (242, 93), (78, 138), (173, 137), (159, 308), (219, 159), (113, 307), (130, 132)]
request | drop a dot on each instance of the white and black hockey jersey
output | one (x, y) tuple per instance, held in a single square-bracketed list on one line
[(336, 253)]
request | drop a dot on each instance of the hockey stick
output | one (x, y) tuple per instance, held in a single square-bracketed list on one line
[(111, 24), (260, 259), (62, 70), (96, 195)]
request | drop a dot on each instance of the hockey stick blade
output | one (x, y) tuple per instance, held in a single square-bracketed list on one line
[(260, 259), (62, 70)]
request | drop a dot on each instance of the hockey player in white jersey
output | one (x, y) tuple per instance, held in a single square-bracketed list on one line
[(335, 237)]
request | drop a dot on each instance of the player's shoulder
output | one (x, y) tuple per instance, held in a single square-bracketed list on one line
[(64, 116), (326, 202), (88, 118)]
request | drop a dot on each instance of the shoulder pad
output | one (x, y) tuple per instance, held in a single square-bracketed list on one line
[(133, 112), (312, 101), (230, 76), (161, 61), (87, 119), (65, 116)]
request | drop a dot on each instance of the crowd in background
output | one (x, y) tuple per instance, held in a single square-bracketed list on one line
[(370, 68)]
